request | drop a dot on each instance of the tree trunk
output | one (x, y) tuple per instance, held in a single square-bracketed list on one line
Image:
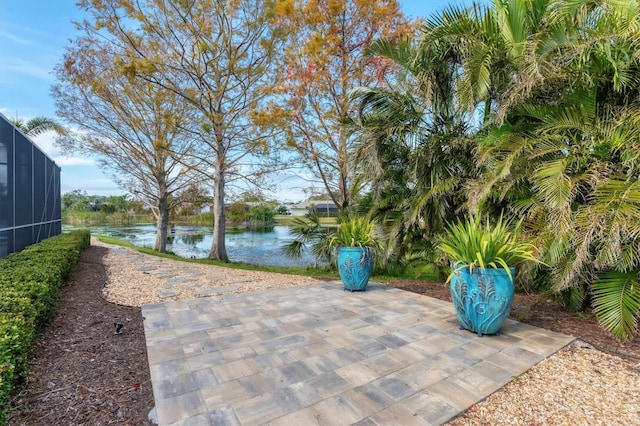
[(162, 224), (487, 112), (344, 196), (218, 248)]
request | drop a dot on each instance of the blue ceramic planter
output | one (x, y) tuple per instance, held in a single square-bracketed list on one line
[(482, 298), (355, 265)]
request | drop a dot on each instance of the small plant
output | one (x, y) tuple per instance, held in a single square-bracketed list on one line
[(476, 245), (356, 245), (355, 232), (309, 232)]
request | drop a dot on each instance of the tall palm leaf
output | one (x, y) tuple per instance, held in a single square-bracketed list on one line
[(39, 125), (309, 235), (617, 302), (409, 136)]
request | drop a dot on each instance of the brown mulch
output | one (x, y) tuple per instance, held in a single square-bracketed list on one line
[(84, 374), (81, 373)]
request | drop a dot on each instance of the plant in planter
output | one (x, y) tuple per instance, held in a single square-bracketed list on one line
[(483, 260), (356, 244)]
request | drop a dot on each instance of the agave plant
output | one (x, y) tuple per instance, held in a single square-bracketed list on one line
[(355, 232), (474, 245)]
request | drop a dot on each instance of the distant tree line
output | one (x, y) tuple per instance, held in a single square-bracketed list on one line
[(78, 200), (250, 210)]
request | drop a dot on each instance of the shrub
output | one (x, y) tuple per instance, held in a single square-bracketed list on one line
[(30, 282), (473, 244)]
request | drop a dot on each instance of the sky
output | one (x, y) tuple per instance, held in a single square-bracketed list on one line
[(33, 38)]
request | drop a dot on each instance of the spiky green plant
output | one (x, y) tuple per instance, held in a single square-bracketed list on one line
[(309, 233), (355, 232), (470, 243)]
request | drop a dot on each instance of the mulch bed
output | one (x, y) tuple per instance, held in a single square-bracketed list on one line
[(84, 374)]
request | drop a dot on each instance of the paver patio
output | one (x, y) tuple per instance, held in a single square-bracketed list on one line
[(321, 355)]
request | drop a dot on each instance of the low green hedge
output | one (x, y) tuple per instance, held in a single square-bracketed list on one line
[(30, 282)]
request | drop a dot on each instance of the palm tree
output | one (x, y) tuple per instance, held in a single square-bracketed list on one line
[(414, 146), (557, 141), (309, 234), (563, 153), (38, 125), (492, 46)]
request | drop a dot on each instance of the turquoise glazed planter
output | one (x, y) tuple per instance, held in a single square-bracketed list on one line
[(355, 265), (482, 298)]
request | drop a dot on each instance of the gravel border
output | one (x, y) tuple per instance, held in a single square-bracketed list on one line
[(576, 386), (136, 284)]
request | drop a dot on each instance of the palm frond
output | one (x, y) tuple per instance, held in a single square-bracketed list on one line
[(617, 302), (39, 125)]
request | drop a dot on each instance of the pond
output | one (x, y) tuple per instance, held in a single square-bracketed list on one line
[(253, 247)]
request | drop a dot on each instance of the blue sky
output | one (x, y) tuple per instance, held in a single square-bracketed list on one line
[(33, 36)]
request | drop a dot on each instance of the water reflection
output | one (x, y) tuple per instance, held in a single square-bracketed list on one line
[(254, 247), (192, 238)]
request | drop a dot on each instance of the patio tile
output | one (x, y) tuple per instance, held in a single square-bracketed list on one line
[(235, 369), (224, 416), (398, 415), (223, 394), (430, 408), (258, 410), (368, 399), (453, 394), (319, 355), (357, 374), (172, 386), (328, 384), (174, 409), (336, 410)]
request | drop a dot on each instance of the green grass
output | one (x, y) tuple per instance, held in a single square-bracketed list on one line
[(323, 272), (426, 273), (288, 220), (88, 218)]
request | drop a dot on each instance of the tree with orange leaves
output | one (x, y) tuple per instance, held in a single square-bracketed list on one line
[(325, 59)]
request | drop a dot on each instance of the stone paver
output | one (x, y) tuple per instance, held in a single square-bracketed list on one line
[(320, 355), (215, 290), (166, 293)]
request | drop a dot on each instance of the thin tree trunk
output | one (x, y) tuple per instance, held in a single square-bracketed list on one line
[(487, 112), (218, 248), (162, 224), (343, 185)]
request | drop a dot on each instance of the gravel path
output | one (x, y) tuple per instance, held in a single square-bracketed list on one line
[(577, 386), (136, 279)]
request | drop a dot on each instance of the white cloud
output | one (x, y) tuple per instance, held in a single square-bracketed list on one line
[(15, 39), (92, 183), (25, 30), (73, 161), (46, 142), (24, 68)]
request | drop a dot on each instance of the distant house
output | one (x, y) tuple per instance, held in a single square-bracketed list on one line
[(30, 201), (324, 207)]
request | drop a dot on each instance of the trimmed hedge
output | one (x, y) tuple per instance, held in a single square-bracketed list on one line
[(30, 283)]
